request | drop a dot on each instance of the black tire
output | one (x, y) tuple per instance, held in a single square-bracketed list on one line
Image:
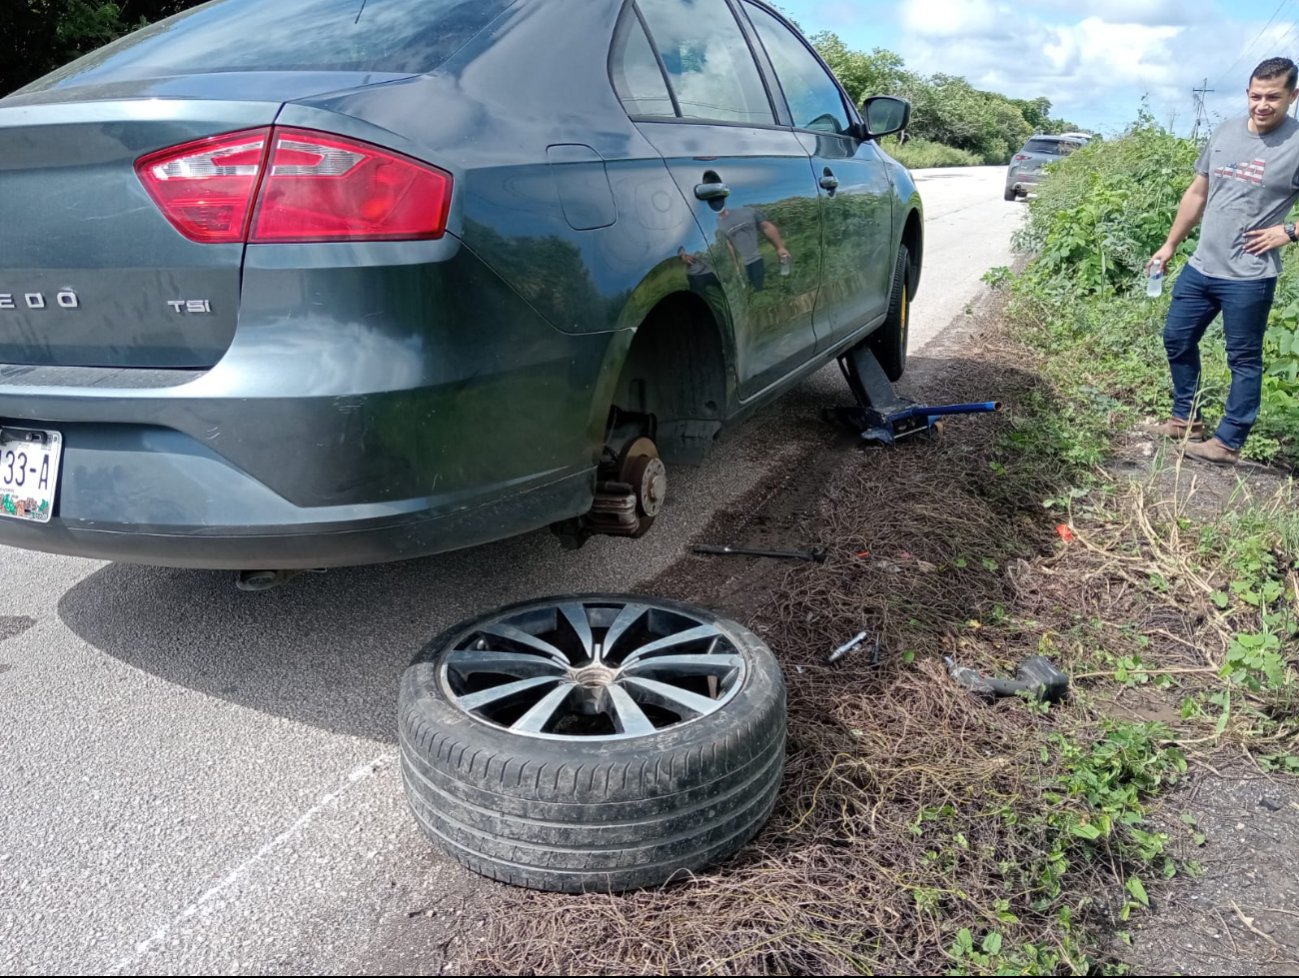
[(889, 342), (1012, 193), (585, 813)]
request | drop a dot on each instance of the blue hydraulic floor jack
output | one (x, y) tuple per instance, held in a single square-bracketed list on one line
[(882, 417)]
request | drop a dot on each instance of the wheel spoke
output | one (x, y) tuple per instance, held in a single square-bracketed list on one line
[(537, 718), (502, 630), (628, 717), (592, 669), (681, 638), (680, 701), (520, 665), (685, 665), (626, 618), (576, 615), (497, 694)]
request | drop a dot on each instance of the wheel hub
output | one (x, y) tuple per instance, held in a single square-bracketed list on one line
[(643, 470), (594, 676), (648, 477), (592, 669)]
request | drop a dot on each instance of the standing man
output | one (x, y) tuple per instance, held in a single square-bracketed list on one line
[(1246, 181)]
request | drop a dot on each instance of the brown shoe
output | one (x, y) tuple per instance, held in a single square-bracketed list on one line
[(1177, 428), (1212, 451)]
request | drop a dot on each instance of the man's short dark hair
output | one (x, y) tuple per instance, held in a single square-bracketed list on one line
[(1275, 68)]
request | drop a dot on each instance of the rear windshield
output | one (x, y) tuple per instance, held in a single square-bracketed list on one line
[(398, 36), (1051, 147)]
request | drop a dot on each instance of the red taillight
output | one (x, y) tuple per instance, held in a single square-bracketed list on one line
[(1022, 156), (327, 188), (206, 188), (298, 186)]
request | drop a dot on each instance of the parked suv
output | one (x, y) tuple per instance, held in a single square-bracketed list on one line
[(326, 282), (1026, 166)]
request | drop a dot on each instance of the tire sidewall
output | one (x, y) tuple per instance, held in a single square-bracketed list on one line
[(889, 342)]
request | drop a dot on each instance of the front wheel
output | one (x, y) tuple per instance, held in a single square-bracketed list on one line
[(889, 342)]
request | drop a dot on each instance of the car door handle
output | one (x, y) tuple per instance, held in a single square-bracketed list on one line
[(830, 181), (712, 191)]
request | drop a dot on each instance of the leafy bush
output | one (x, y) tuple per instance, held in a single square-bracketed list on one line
[(1105, 209), (917, 154)]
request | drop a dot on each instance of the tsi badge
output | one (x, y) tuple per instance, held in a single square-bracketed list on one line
[(65, 299), (188, 307)]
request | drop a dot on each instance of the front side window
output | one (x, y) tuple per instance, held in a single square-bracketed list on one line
[(708, 61), (811, 93)]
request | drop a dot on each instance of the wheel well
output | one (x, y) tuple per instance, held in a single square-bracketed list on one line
[(676, 371), (914, 238)]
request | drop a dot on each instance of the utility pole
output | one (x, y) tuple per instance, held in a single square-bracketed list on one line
[(1201, 115)]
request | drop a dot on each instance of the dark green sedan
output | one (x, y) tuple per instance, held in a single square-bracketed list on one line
[(305, 283)]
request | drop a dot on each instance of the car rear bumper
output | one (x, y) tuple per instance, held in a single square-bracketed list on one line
[(362, 535), (1022, 181), (371, 424)]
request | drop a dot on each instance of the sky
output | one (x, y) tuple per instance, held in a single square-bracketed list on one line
[(1094, 59)]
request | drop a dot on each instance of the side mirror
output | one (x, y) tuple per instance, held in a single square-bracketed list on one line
[(885, 115)]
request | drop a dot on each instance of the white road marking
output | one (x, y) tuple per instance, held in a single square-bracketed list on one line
[(359, 774)]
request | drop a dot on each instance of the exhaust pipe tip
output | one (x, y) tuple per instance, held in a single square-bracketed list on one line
[(264, 580)]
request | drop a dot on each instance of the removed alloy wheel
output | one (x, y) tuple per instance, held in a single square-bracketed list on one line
[(594, 742)]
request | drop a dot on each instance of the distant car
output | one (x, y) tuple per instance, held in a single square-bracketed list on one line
[(324, 282), (1026, 167)]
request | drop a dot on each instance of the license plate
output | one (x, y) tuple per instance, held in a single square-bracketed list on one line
[(29, 472)]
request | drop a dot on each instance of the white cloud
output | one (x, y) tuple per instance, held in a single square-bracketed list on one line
[(1095, 63), (1150, 12), (954, 18)]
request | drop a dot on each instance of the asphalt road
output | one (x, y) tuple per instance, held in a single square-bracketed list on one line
[(198, 780)]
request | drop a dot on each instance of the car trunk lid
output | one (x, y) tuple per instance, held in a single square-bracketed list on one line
[(91, 272)]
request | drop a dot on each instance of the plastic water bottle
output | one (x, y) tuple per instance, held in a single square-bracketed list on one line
[(1155, 280), (784, 266)]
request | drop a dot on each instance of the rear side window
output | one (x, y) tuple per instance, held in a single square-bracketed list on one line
[(708, 61), (1050, 147), (400, 36), (637, 77), (813, 97)]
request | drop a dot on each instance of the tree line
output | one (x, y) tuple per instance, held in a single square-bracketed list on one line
[(41, 35), (945, 109)]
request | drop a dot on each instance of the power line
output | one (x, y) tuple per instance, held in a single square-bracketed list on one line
[(1288, 34), (1250, 46)]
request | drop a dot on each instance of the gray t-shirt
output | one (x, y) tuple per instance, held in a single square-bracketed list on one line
[(740, 227), (1253, 183)]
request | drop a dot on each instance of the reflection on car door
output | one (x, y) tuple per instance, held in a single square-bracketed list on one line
[(748, 180), (852, 179), (857, 211)]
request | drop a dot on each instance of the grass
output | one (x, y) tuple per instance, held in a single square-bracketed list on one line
[(922, 831), (918, 154)]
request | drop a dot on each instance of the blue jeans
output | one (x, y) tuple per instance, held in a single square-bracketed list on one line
[(1197, 298)]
